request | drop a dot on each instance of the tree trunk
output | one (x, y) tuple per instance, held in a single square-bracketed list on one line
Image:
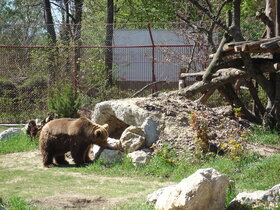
[(77, 41), (52, 40), (270, 13), (108, 42), (49, 22)]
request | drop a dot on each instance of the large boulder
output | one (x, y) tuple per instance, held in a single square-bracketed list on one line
[(132, 139), (9, 132), (261, 198), (205, 189), (107, 155), (120, 114)]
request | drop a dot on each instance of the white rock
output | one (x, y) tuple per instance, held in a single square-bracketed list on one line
[(205, 189), (114, 142), (9, 132), (268, 198), (153, 197), (109, 156), (139, 157), (120, 114), (132, 139)]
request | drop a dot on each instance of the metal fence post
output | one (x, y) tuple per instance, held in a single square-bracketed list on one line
[(153, 58)]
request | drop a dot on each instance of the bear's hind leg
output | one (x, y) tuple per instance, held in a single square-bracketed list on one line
[(78, 155), (60, 159)]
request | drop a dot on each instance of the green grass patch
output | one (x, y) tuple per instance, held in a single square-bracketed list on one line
[(17, 143), (264, 136), (16, 203)]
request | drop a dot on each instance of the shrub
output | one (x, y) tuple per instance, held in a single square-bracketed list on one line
[(64, 101)]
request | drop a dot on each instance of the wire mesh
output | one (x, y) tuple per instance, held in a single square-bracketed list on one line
[(30, 66)]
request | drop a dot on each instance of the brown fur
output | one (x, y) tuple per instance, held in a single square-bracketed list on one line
[(32, 129), (75, 135)]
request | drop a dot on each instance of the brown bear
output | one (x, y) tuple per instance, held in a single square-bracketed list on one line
[(75, 135)]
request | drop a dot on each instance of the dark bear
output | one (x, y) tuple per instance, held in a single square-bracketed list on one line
[(75, 135)]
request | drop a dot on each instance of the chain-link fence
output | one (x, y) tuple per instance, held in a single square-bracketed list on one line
[(136, 55)]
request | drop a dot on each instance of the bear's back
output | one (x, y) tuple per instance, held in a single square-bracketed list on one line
[(58, 126), (69, 126)]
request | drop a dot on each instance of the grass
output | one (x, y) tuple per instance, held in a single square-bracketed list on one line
[(16, 203), (17, 143), (251, 172), (264, 136)]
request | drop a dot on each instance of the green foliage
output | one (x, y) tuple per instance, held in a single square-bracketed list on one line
[(237, 112), (64, 101), (162, 163), (235, 148), (17, 143), (16, 203)]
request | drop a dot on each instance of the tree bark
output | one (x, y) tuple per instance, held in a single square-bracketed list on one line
[(49, 22), (77, 41), (109, 42), (52, 40), (270, 13)]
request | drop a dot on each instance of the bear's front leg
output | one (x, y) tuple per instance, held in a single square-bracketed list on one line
[(60, 159), (86, 154)]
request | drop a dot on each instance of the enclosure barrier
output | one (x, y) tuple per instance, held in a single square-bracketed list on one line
[(140, 54)]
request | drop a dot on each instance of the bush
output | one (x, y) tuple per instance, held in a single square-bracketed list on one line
[(64, 101)]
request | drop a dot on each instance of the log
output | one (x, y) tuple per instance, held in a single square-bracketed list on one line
[(270, 45), (255, 97), (211, 69), (259, 46), (194, 74), (229, 75)]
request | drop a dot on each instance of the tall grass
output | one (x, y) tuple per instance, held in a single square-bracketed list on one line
[(17, 143)]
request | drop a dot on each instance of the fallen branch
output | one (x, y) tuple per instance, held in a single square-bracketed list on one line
[(147, 86)]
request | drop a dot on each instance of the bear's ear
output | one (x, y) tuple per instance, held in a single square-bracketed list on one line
[(98, 133), (106, 126)]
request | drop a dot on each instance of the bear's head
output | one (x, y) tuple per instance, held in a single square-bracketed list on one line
[(101, 136)]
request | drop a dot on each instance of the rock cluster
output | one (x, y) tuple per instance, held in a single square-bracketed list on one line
[(206, 189), (166, 118)]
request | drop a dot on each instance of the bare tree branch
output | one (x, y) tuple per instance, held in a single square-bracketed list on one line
[(69, 14), (147, 86), (210, 14)]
